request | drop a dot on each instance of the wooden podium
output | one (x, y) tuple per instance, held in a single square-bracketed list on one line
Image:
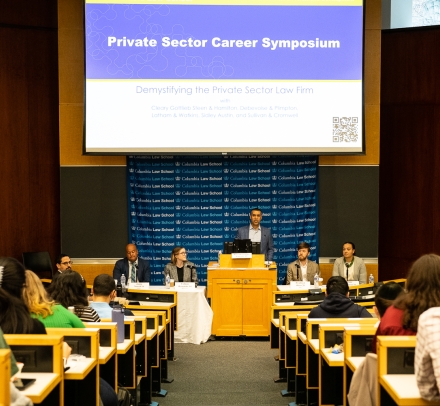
[(241, 295)]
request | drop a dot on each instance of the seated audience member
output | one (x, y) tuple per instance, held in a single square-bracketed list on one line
[(385, 296), (363, 387), (4, 346), (302, 269), (427, 358), (422, 293), (336, 303), (349, 266), (42, 308), (134, 268), (14, 315), (104, 291), (70, 289), (16, 397), (180, 269)]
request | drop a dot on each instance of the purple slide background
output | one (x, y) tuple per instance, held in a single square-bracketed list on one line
[(227, 22)]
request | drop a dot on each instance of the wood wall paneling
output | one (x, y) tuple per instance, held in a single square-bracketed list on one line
[(410, 149), (29, 163)]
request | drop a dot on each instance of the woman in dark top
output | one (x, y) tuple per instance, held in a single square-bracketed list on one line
[(14, 315), (180, 269), (69, 289)]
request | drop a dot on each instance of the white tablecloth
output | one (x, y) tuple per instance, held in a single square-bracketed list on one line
[(194, 316)]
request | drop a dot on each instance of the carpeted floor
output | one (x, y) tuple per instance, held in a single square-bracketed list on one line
[(223, 372)]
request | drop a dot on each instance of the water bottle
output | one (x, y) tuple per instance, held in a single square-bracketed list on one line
[(167, 281), (371, 278), (219, 253), (123, 289), (316, 280), (118, 318)]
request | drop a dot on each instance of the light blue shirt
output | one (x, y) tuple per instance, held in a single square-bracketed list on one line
[(103, 309), (255, 235)]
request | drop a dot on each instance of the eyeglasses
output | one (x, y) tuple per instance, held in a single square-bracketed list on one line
[(183, 253), (67, 263)]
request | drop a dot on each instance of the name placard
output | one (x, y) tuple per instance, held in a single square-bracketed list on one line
[(300, 284), (242, 255), (139, 285), (185, 285), (353, 283)]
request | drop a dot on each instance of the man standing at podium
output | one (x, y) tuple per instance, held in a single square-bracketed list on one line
[(134, 268), (257, 233)]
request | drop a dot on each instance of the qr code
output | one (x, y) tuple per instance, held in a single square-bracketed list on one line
[(345, 129)]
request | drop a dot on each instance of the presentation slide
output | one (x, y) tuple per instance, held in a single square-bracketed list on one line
[(224, 77)]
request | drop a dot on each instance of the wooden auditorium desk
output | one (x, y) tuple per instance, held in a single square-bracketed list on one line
[(5, 376), (156, 356), (152, 358), (275, 311), (126, 356), (158, 300), (42, 355), (140, 338), (81, 380), (288, 354), (108, 360), (315, 383), (357, 343), (331, 366), (241, 295), (397, 382), (275, 340)]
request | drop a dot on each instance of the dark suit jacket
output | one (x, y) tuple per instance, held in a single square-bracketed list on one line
[(266, 240), (143, 271)]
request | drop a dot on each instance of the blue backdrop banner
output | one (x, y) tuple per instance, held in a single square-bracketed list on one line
[(198, 202)]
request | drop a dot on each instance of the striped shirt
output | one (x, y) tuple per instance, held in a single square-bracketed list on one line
[(88, 314), (427, 357)]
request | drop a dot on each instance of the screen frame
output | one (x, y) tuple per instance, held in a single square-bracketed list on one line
[(231, 151)]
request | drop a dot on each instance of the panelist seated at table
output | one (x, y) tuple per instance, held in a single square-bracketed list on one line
[(257, 233), (349, 266), (336, 303), (180, 269), (302, 269), (134, 268)]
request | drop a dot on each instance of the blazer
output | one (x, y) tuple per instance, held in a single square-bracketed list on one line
[(189, 274), (143, 271), (359, 269), (266, 240), (312, 269)]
